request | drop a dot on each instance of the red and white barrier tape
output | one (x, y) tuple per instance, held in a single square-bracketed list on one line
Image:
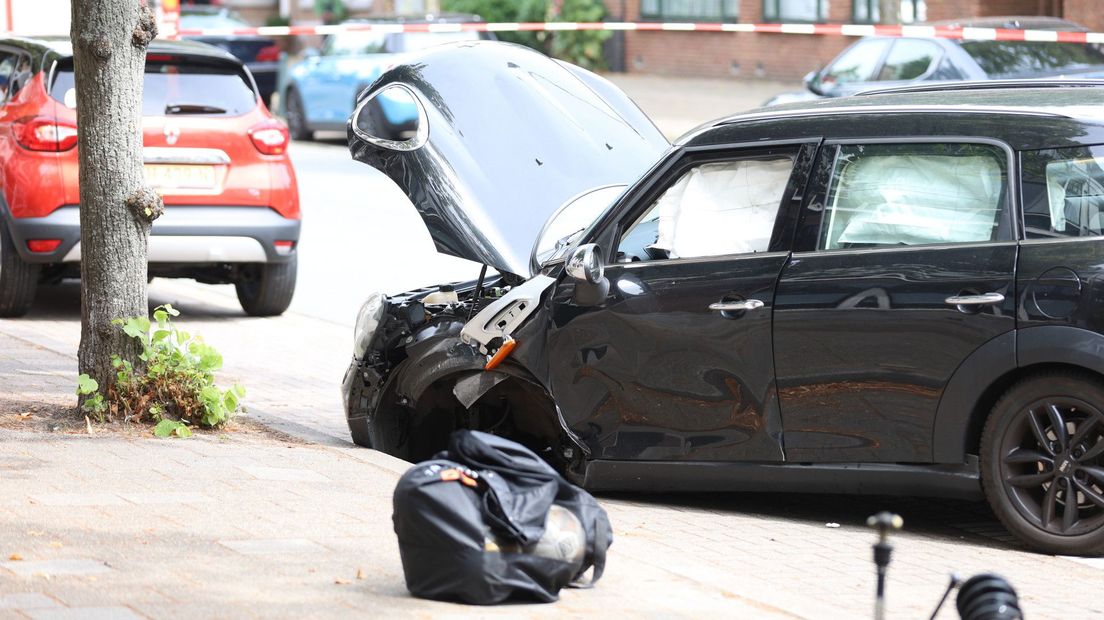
[(847, 30)]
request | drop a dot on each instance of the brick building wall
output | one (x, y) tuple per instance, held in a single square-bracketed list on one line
[(788, 57)]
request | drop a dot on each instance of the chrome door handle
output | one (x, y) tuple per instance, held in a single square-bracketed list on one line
[(985, 299), (736, 306)]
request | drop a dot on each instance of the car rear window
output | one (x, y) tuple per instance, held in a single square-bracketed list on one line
[(1003, 59), (177, 87)]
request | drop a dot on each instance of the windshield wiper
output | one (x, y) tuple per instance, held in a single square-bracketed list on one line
[(192, 108)]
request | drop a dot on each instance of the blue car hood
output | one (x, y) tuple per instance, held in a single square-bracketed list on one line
[(497, 138)]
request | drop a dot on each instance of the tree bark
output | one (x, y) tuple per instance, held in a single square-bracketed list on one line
[(116, 209)]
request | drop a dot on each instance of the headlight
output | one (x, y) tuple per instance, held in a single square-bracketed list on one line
[(368, 320)]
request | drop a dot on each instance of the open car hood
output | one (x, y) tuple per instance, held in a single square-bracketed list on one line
[(489, 139)]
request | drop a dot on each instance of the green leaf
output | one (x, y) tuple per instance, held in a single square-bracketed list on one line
[(172, 311), (239, 389), (86, 384), (183, 431), (160, 316), (230, 399), (165, 427)]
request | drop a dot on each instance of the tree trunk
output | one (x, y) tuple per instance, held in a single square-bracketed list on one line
[(116, 209), (890, 11)]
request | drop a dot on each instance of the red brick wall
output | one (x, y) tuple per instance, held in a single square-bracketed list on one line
[(1089, 13), (788, 57)]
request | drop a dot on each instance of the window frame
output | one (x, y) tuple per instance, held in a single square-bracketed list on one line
[(664, 16), (641, 200), (814, 206), (776, 18), (871, 5), (15, 53)]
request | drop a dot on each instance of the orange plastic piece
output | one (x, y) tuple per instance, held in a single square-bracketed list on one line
[(502, 353)]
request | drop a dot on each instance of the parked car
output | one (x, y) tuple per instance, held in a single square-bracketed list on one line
[(897, 293), (261, 54), (322, 89), (212, 149), (879, 62)]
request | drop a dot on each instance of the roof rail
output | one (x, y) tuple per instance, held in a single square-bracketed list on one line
[(934, 87)]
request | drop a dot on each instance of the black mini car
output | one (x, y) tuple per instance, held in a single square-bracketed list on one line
[(898, 293)]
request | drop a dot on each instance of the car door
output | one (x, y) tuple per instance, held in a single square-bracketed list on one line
[(675, 361), (903, 266)]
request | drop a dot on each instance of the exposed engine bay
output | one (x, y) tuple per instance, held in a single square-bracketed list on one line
[(438, 359)]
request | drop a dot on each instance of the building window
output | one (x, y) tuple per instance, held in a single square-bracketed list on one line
[(869, 11), (795, 10), (691, 10)]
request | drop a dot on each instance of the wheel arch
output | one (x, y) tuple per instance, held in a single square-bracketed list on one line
[(998, 365)]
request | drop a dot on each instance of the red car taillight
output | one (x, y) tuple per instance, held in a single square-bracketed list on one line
[(45, 134), (268, 53), (270, 137)]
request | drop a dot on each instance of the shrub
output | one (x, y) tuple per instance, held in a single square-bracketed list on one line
[(173, 386)]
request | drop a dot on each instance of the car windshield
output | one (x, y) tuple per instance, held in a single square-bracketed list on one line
[(221, 19), (177, 87), (564, 228), (1003, 59)]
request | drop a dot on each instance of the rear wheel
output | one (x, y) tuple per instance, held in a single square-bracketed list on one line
[(267, 289), (297, 117), (18, 279), (1042, 462)]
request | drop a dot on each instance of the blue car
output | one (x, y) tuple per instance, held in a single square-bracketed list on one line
[(322, 89)]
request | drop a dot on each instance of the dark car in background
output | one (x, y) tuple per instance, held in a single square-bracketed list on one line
[(210, 148), (896, 293), (879, 62), (322, 89), (261, 54)]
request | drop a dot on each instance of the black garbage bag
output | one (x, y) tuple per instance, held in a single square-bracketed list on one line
[(488, 520)]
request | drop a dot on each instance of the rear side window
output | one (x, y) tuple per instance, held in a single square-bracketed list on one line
[(885, 195), (1063, 191), (7, 68), (909, 59), (177, 87), (1004, 59)]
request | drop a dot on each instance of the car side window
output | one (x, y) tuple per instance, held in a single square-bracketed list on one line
[(1063, 192), (884, 195), (909, 59), (7, 68), (856, 64), (21, 75), (713, 209)]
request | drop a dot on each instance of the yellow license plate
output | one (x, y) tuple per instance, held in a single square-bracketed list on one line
[(178, 177)]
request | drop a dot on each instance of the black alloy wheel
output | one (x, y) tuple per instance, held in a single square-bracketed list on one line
[(296, 117), (1043, 462)]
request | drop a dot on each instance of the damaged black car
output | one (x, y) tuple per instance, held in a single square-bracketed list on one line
[(896, 293)]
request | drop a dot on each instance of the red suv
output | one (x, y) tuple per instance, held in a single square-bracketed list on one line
[(212, 150)]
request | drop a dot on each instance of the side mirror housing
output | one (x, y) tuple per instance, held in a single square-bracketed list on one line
[(585, 266), (812, 82)]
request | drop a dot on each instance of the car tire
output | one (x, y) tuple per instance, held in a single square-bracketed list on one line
[(297, 117), (18, 279), (1042, 445), (266, 289)]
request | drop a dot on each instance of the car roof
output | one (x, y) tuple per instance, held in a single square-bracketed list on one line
[(1013, 22), (430, 18), (62, 46), (1020, 115)]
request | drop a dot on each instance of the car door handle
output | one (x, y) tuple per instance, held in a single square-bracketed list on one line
[(985, 299), (736, 306)]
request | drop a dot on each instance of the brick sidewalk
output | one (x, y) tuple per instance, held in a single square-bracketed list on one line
[(245, 525)]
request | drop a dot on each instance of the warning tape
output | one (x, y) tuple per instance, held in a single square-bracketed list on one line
[(847, 30)]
